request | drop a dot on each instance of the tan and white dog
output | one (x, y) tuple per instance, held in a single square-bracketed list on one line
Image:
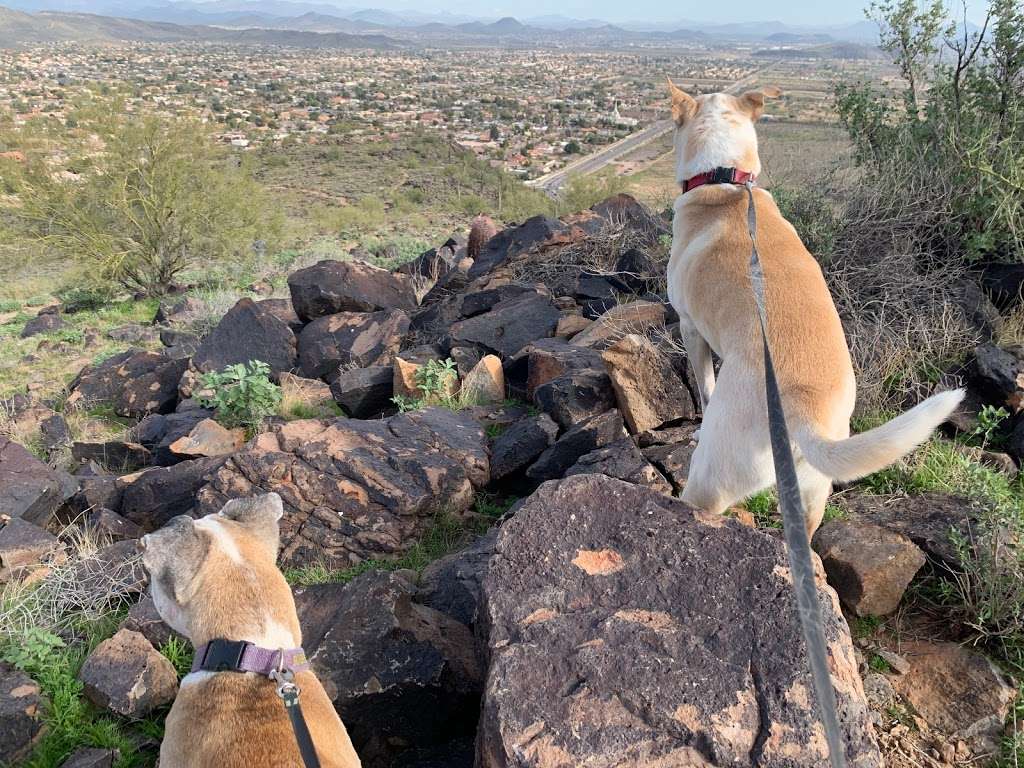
[(217, 578), (710, 288)]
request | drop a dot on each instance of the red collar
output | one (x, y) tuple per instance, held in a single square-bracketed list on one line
[(718, 176)]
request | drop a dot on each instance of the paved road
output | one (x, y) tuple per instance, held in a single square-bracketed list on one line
[(553, 182)]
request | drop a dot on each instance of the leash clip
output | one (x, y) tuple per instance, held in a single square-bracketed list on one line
[(285, 679)]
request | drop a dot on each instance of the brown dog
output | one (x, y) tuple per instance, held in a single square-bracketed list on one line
[(217, 578), (709, 286)]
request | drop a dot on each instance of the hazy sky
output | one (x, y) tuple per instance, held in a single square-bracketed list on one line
[(790, 11)]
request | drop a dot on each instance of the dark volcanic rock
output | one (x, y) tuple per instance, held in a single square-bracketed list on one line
[(673, 458), (648, 391), (133, 383), (510, 325), (249, 331), (116, 455), (54, 432), (364, 392), (30, 489), (522, 442), (513, 241), (357, 489), (91, 757), (576, 396), (401, 675), (623, 461), (625, 628), (350, 340), (451, 584), (330, 287), (23, 546), (151, 498), (47, 322), (1004, 283), (127, 675), (582, 439), (21, 714)]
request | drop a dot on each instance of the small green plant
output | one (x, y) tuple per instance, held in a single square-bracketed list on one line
[(990, 419), (833, 512), (878, 663), (179, 652), (764, 505), (865, 626), (436, 381), (493, 430), (241, 395)]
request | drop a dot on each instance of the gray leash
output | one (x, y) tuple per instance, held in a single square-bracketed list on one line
[(798, 544)]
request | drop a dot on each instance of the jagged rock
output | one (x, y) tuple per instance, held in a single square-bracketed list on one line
[(477, 302), (96, 491), (999, 375), (184, 310), (110, 524), (515, 240), (673, 459), (354, 489), (485, 383), (576, 396), (133, 333), (635, 271), (310, 393), (957, 691), (47, 322), (144, 618), (522, 442), (330, 287), (283, 310), (21, 714), (879, 691), (29, 489), (208, 438), (364, 392), (403, 378), (401, 675), (870, 567), (112, 571), (127, 675), (981, 314), (350, 340), (451, 584), (623, 461), (571, 324), (544, 360), (249, 331), (54, 432), (116, 455), (91, 757), (625, 209), (648, 391), (581, 439), (634, 317), (152, 497), (1003, 282), (24, 546), (509, 325), (158, 432), (179, 344), (668, 637), (457, 753), (929, 520), (134, 383)]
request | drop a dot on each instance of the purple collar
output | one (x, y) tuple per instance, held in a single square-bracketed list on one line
[(240, 656)]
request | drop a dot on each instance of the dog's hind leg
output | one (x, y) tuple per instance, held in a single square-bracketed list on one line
[(698, 352), (733, 458), (815, 488)]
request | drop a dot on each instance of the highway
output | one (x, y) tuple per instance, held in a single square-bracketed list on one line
[(553, 182)]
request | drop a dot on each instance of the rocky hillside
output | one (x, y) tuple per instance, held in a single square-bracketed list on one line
[(478, 458)]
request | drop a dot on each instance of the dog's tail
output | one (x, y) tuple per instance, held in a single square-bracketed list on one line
[(870, 451)]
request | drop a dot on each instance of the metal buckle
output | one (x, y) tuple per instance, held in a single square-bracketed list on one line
[(723, 176), (223, 655)]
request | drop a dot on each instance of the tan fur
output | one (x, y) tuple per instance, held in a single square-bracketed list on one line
[(709, 285), (232, 589)]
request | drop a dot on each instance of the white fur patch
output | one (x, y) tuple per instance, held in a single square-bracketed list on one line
[(221, 537), (275, 635)]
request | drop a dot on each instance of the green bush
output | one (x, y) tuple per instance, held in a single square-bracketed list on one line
[(435, 381), (241, 395)]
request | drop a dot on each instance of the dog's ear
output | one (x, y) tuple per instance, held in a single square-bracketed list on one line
[(174, 555), (753, 101), (260, 515), (683, 104)]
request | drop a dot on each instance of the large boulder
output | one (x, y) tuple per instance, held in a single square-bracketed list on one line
[(24, 547), (669, 637), (152, 497), (127, 675), (354, 489), (30, 489), (512, 241), (452, 583), (134, 383), (364, 392), (249, 331), (330, 287), (633, 317), (509, 325), (21, 711), (623, 461), (585, 437), (520, 443), (401, 675), (350, 340)]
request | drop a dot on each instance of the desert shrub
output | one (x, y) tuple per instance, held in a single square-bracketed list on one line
[(584, 191), (241, 395), (812, 216), (160, 196), (435, 380)]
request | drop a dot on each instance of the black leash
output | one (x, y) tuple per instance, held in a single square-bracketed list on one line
[(798, 544), (289, 693)]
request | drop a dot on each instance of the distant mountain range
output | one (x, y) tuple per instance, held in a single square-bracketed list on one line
[(318, 24)]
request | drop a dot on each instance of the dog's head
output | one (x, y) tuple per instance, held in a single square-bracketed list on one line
[(716, 130), (217, 570)]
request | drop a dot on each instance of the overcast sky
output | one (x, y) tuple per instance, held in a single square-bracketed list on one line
[(790, 11)]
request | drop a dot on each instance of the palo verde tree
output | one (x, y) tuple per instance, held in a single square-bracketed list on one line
[(133, 201)]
